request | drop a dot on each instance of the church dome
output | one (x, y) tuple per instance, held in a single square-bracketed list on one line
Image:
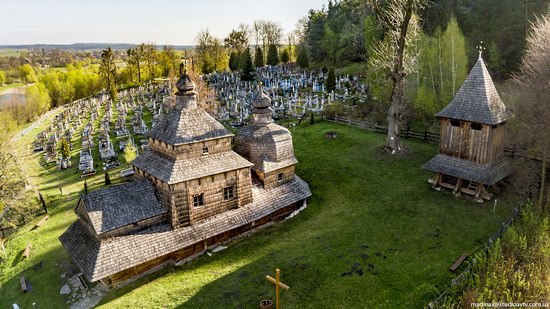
[(185, 84)]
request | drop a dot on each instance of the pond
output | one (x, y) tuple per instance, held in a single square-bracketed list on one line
[(11, 97)]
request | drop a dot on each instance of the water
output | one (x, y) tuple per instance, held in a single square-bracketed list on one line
[(11, 97)]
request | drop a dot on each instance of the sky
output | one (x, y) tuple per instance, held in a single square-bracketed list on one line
[(138, 21)]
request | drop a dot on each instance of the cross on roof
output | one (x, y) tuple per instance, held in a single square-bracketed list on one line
[(480, 48)]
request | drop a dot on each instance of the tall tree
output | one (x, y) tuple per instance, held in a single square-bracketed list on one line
[(237, 40), (258, 57), (331, 80), (395, 16), (272, 55), (531, 108), (107, 69), (303, 57), (247, 69), (330, 44), (169, 61), (27, 74), (135, 58), (443, 66), (210, 52), (234, 61), (285, 56), (2, 78), (150, 56)]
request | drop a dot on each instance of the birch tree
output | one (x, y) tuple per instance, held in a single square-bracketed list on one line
[(532, 107)]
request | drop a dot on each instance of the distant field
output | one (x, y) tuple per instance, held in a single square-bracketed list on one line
[(375, 235), (9, 52)]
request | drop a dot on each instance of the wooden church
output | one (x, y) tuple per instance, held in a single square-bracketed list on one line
[(191, 193), (471, 156)]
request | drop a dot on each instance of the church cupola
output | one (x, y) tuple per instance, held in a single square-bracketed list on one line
[(261, 108)]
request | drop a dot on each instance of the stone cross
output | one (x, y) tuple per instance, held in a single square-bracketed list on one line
[(278, 284)]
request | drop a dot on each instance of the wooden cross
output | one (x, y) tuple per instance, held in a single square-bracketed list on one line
[(278, 284)]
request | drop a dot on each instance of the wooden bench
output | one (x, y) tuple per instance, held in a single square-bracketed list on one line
[(458, 262), (23, 284), (27, 252), (41, 222)]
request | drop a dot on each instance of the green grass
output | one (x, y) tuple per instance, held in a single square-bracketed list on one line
[(10, 86), (367, 208)]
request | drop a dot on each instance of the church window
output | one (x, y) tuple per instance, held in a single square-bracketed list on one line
[(280, 177), (198, 200), (205, 150), (228, 193)]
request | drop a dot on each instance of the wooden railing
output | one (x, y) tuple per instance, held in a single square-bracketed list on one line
[(427, 136)]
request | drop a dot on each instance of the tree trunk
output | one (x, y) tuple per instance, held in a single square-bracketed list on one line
[(395, 113)]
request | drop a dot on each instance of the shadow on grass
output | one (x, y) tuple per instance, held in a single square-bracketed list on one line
[(18, 258)]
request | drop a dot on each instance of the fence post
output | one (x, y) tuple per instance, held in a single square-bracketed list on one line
[(408, 129), (425, 135)]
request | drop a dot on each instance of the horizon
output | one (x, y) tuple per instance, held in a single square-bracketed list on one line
[(64, 22)]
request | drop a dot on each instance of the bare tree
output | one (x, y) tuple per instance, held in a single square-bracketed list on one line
[(531, 108), (395, 16), (273, 33)]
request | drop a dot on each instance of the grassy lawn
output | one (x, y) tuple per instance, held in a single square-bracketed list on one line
[(10, 86), (374, 235)]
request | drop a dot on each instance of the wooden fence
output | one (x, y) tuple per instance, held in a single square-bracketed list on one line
[(510, 151), (426, 136), (460, 279), (373, 127)]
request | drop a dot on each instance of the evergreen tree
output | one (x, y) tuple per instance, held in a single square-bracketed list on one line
[(495, 62), (247, 69), (107, 179), (259, 58), (303, 58), (234, 61), (285, 56), (272, 55), (331, 80)]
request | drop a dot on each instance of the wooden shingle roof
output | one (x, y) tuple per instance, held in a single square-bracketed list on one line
[(122, 205), (187, 125), (477, 100), (99, 259), (174, 171), (488, 174)]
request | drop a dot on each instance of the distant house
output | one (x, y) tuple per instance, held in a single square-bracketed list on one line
[(191, 192), (471, 148)]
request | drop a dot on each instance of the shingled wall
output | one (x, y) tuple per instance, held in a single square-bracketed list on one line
[(480, 146), (189, 151)]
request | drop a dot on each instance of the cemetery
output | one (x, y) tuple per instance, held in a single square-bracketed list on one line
[(319, 154), (366, 236)]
